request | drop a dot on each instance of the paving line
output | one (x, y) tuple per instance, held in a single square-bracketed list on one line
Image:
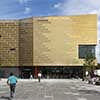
[(81, 98), (3, 91), (71, 93), (49, 97)]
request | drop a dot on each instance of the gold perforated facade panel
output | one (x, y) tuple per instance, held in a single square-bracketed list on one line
[(56, 39), (9, 33), (26, 42), (44, 41)]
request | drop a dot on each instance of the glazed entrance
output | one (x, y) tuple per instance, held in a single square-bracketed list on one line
[(61, 72), (53, 72), (25, 72)]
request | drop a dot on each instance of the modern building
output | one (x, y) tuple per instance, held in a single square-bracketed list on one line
[(54, 45)]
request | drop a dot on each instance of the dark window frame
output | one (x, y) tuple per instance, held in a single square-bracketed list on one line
[(80, 46)]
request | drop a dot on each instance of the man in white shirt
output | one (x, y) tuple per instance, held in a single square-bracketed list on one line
[(39, 76)]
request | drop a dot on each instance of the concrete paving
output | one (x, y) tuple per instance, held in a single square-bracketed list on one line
[(71, 89)]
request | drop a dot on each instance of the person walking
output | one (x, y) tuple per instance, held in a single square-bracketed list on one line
[(11, 81), (39, 76), (31, 76)]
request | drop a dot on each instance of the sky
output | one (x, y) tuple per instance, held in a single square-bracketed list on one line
[(17, 9), (26, 8)]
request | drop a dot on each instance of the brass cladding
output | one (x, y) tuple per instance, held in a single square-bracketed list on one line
[(56, 39), (26, 42), (44, 41), (9, 31)]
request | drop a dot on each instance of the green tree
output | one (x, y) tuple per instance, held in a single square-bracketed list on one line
[(89, 64)]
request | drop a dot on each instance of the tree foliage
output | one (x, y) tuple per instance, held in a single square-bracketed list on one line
[(89, 63)]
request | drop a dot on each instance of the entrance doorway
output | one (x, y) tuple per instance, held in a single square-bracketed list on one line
[(26, 72), (61, 72)]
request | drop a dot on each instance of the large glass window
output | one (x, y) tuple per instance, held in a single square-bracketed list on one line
[(86, 49)]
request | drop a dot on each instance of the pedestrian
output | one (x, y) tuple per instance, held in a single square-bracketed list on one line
[(12, 80), (39, 76), (31, 76)]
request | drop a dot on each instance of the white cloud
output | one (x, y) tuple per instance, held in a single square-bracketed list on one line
[(72, 7), (20, 1), (57, 5), (24, 1), (93, 3), (99, 23), (27, 10), (25, 5), (94, 12)]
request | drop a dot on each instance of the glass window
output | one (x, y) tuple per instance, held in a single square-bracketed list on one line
[(86, 49)]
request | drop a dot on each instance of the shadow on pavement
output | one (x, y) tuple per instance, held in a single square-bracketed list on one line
[(4, 97)]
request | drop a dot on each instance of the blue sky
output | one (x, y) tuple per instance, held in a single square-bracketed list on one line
[(26, 8)]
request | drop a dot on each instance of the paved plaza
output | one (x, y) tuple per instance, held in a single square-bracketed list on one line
[(69, 89)]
